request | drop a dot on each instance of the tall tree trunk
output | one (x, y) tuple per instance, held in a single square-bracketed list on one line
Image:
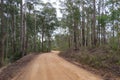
[(118, 30), (22, 30), (83, 25), (25, 34), (13, 34), (2, 35), (7, 37), (42, 41), (103, 32), (49, 42), (113, 23), (35, 34), (75, 30), (91, 30), (88, 30), (94, 24), (43, 35), (69, 40), (98, 29)]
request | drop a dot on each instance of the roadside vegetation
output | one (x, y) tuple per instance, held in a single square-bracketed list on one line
[(102, 59), (92, 35), (25, 26), (89, 31)]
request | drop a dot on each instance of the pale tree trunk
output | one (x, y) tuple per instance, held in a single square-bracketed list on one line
[(25, 34), (49, 42), (69, 41), (75, 30), (98, 29), (83, 25), (7, 37), (103, 35), (113, 23), (43, 34), (118, 32), (94, 24), (13, 34), (35, 34), (91, 30), (22, 30), (104, 29), (42, 41), (88, 31)]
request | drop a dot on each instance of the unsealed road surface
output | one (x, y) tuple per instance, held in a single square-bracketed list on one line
[(50, 66)]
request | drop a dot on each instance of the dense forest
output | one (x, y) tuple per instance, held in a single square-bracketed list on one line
[(91, 23), (30, 26), (24, 28)]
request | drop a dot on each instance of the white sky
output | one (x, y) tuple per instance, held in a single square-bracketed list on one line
[(59, 15), (55, 5)]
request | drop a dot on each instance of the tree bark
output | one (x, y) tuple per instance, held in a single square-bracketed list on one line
[(13, 34), (83, 25), (94, 24), (98, 29), (25, 34), (22, 52), (75, 30), (49, 43), (35, 34), (43, 35), (2, 35)]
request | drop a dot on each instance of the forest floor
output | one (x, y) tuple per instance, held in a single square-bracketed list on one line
[(48, 66)]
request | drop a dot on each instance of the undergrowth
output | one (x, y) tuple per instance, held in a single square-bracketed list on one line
[(99, 58)]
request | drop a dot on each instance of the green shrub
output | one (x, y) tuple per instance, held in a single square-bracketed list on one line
[(15, 57)]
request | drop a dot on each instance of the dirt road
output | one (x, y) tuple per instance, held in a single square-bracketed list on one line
[(50, 66)]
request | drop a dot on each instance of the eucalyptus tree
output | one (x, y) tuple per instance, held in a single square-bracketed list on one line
[(49, 20), (114, 19), (12, 14), (71, 12), (94, 40), (2, 33)]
